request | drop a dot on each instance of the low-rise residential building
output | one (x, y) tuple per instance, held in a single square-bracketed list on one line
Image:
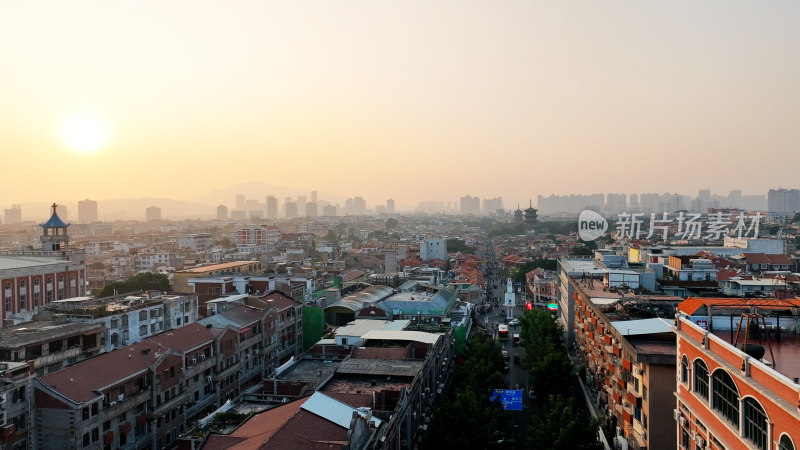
[(141, 396), (196, 242), (16, 397), (737, 390), (629, 365), (129, 318), (49, 345)]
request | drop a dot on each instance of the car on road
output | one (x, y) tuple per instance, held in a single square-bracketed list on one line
[(513, 322), (505, 355), (516, 358)]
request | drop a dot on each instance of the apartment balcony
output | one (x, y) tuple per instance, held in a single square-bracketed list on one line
[(199, 366), (229, 370), (251, 341), (115, 407), (161, 409), (57, 356)]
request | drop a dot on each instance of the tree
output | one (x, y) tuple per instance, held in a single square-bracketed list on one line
[(140, 282), (391, 223), (331, 236), (559, 424), (467, 405), (224, 242), (458, 245)]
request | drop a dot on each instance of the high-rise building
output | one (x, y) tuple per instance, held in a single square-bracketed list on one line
[(616, 202), (359, 206), (735, 198), (470, 205), (153, 214), (311, 209), (63, 211), (314, 196), (784, 201), (241, 203), (87, 211), (272, 208), (13, 215), (491, 205), (291, 210), (329, 210), (222, 212), (390, 206)]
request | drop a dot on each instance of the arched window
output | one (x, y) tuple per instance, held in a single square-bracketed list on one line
[(23, 294), (700, 382), (785, 443), (755, 423), (684, 370), (725, 396)]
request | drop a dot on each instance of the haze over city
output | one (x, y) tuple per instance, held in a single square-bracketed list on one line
[(414, 101)]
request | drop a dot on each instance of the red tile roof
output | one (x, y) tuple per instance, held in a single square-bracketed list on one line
[(81, 381), (285, 427), (278, 300), (763, 258)]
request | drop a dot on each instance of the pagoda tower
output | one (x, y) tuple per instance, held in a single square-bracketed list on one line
[(518, 215), (530, 215), (54, 233)]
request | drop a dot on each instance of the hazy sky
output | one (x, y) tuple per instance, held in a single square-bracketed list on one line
[(415, 100)]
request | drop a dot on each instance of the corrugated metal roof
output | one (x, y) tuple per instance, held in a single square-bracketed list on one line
[(333, 410)]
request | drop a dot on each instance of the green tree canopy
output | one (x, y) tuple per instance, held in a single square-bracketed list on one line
[(140, 282), (458, 245)]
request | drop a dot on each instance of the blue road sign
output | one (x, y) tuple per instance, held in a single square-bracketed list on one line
[(511, 399)]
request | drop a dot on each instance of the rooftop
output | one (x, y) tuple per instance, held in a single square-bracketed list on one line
[(25, 262), (309, 370), (380, 367), (390, 335), (643, 326), (41, 331), (216, 267), (82, 381), (361, 326)]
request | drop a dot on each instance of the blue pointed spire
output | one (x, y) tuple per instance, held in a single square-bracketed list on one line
[(54, 221)]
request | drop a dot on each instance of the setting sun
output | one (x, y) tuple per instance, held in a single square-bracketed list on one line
[(84, 134)]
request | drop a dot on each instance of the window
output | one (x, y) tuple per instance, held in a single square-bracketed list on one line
[(142, 316), (785, 443), (86, 439), (684, 369), (23, 295), (7, 296), (725, 397), (143, 330), (701, 378), (755, 423), (685, 438)]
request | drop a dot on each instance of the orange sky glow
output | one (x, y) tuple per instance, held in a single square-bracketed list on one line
[(411, 100)]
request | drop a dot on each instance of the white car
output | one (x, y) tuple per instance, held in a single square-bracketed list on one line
[(513, 322)]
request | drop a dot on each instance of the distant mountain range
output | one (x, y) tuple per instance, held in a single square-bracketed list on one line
[(200, 207)]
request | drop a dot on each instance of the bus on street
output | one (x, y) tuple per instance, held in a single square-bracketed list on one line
[(502, 332)]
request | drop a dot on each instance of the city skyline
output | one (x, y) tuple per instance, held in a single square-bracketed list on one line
[(270, 207), (132, 100)]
